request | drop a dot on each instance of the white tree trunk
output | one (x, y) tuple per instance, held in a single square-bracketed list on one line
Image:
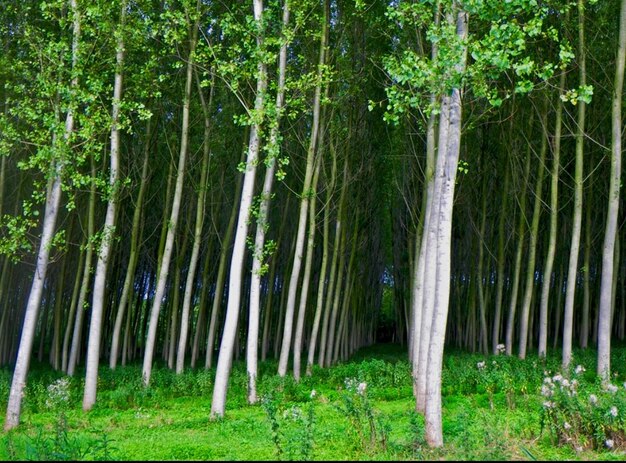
[(572, 269), (452, 144), (608, 249), (307, 195), (134, 254), (197, 239), (304, 292), (224, 361), (53, 200), (252, 348), (173, 222), (97, 306)]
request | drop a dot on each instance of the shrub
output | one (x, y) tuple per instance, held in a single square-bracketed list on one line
[(584, 414)]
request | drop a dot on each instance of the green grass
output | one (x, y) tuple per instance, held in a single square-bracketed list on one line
[(492, 413)]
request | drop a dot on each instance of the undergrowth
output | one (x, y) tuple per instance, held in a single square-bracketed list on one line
[(495, 408)]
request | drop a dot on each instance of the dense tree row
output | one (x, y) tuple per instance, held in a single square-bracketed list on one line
[(189, 182)]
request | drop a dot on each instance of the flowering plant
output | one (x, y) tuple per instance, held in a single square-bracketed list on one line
[(583, 414)]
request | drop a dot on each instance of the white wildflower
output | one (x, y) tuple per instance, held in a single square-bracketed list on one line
[(593, 399), (313, 393), (481, 365), (565, 383), (548, 404), (612, 388), (547, 380), (361, 388), (500, 348), (613, 412), (567, 426), (579, 369), (609, 443), (350, 383), (58, 393), (557, 378), (546, 391)]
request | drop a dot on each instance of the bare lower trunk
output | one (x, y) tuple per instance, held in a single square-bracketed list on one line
[(608, 249), (568, 317), (53, 200), (224, 361), (97, 306), (304, 206), (134, 252), (197, 238), (554, 195), (532, 250), (173, 222)]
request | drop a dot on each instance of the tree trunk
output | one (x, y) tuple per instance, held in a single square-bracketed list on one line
[(532, 247), (224, 362), (252, 347), (307, 195), (608, 249), (134, 251), (53, 200), (197, 238), (572, 269), (97, 305), (432, 415), (173, 222)]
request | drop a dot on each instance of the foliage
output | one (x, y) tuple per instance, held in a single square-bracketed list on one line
[(584, 413), (292, 428), (372, 431), (362, 409)]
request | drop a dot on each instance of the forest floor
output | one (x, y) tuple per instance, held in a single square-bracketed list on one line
[(494, 408)]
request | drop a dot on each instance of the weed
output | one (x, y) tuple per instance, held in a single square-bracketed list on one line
[(292, 429)]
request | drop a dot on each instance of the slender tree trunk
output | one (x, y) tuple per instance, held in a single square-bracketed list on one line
[(224, 361), (532, 247), (84, 285), (484, 341), (321, 359), (97, 305), (252, 347), (568, 317), (497, 316), (304, 206), (554, 196), (304, 291), (197, 238), (324, 264), (134, 251), (336, 299), (608, 249), (178, 269), (584, 326), (221, 275), (53, 200), (173, 222), (517, 270)]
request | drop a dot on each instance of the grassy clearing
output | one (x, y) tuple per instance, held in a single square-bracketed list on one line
[(492, 411)]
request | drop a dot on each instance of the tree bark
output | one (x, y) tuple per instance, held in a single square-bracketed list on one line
[(608, 249), (173, 222), (97, 305), (224, 362)]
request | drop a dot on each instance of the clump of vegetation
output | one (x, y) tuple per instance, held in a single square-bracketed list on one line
[(292, 428), (584, 413), (495, 407)]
